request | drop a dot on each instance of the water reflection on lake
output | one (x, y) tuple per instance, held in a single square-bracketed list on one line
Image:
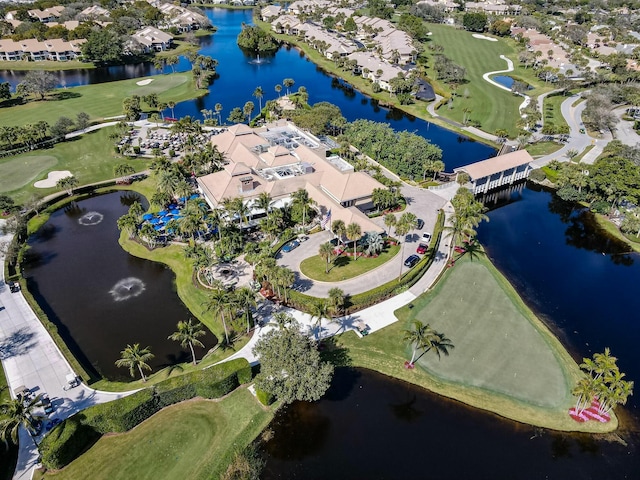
[(100, 297), (375, 427)]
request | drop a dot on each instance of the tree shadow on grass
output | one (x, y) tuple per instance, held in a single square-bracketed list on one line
[(64, 95), (341, 261)]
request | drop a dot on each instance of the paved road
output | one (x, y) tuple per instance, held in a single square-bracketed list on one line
[(423, 203), (624, 129), (31, 358)]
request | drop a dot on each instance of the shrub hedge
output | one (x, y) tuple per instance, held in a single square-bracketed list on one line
[(76, 434), (265, 398)]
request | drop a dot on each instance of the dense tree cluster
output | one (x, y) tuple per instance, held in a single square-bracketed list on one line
[(290, 366), (447, 70), (402, 152), (413, 25), (256, 40), (38, 83), (320, 119), (474, 22), (103, 46)]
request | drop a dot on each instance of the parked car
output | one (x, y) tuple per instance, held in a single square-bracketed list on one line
[(411, 261), (459, 249), (14, 287), (290, 246), (46, 404), (426, 237), (420, 224), (422, 249)]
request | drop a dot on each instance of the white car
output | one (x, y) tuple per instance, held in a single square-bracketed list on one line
[(426, 236)]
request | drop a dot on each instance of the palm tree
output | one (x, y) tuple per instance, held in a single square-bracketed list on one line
[(133, 357), (218, 302), (282, 320), (584, 390), (288, 82), (263, 202), (390, 220), (339, 229), (259, 93), (319, 311), (301, 197), (247, 110), (354, 232), (218, 109), (129, 224), (187, 334), (171, 106), (423, 337), (247, 299), (326, 252), (17, 412), (374, 243), (336, 300), (278, 89), (124, 171)]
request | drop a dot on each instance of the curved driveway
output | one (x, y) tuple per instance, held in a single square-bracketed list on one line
[(423, 203)]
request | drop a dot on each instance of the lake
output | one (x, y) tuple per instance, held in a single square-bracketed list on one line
[(239, 75), (100, 297)]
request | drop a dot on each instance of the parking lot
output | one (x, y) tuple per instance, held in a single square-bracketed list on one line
[(150, 138)]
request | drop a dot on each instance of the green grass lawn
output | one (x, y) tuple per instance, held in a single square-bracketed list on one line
[(495, 336), (90, 158), (493, 107), (552, 110), (194, 439), (539, 149), (578, 158), (344, 267), (100, 100), (44, 65)]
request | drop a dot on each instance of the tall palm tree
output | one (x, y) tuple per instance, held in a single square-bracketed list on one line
[(17, 412), (259, 93), (336, 300), (319, 310), (584, 390), (246, 299), (424, 338), (263, 202), (187, 334), (339, 229), (133, 357), (390, 220), (301, 197), (326, 252), (218, 302), (278, 89), (354, 232), (282, 319), (218, 110)]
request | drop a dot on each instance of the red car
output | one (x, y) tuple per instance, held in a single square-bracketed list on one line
[(422, 248), (458, 249)]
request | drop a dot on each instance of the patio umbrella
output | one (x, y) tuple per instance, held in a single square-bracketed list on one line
[(147, 216), (155, 220), (162, 212)]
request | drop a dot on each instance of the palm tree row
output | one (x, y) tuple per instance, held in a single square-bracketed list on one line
[(135, 357), (231, 304), (603, 380), (469, 213)]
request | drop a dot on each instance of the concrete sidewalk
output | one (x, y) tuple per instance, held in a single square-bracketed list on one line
[(31, 358)]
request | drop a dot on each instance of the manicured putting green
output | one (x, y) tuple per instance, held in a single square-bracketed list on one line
[(20, 171), (497, 347), (192, 440)]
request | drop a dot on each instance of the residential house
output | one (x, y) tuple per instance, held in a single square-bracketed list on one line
[(93, 12), (376, 69), (47, 15), (153, 39), (34, 50)]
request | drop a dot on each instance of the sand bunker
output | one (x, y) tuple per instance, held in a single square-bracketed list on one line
[(482, 37), (53, 178), (146, 81)]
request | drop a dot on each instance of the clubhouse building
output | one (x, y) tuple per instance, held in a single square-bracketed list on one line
[(279, 159)]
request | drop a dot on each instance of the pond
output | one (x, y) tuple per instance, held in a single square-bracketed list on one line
[(240, 74), (506, 81), (579, 280), (375, 427), (100, 297)]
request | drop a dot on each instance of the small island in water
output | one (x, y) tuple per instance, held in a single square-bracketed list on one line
[(255, 40)]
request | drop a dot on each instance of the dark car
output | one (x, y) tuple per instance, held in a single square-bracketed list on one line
[(420, 224), (411, 261), (290, 246), (14, 287), (422, 249), (47, 405)]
